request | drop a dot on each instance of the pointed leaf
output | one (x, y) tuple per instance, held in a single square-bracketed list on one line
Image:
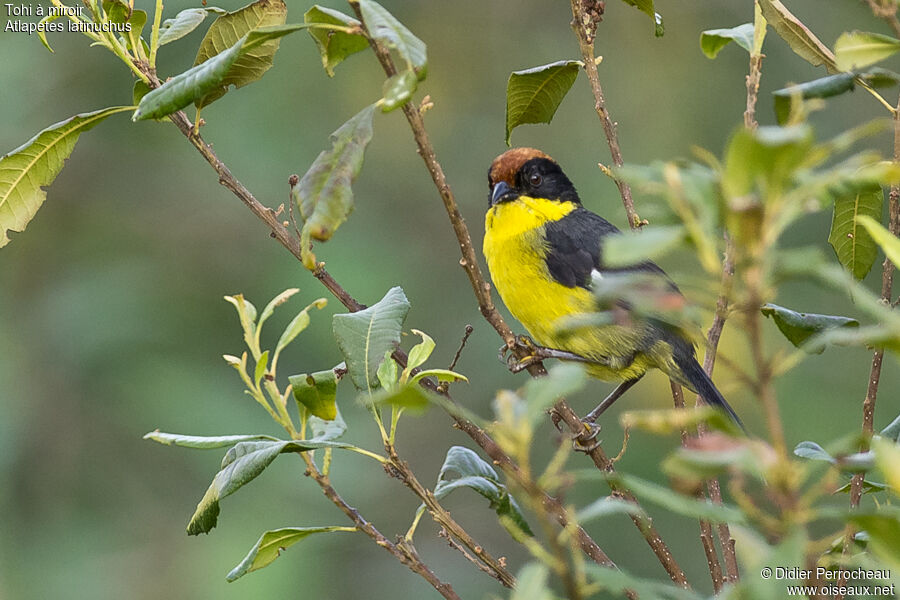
[(334, 46), (825, 87), (713, 40), (859, 49), (270, 545), (226, 31), (324, 194), (26, 170), (421, 351), (799, 327), (385, 28), (196, 441), (888, 242), (184, 22), (317, 392), (298, 324), (533, 95), (42, 32), (274, 303), (241, 465), (853, 245), (261, 365), (802, 41), (646, 7), (813, 451), (365, 336)]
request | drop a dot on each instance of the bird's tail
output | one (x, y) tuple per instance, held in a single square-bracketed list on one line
[(701, 383)]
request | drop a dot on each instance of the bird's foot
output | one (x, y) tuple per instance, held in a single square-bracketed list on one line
[(587, 441), (522, 343)]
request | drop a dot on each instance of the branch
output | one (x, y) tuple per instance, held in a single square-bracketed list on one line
[(403, 551), (586, 14)]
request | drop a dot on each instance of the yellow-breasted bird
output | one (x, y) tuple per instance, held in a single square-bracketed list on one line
[(543, 249)]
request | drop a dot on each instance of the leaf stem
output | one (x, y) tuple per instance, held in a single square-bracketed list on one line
[(154, 33)]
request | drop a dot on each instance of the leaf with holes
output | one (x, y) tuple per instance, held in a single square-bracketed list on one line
[(363, 337), (26, 170), (533, 95), (270, 545), (713, 40), (802, 41), (798, 327), (853, 244), (334, 46)]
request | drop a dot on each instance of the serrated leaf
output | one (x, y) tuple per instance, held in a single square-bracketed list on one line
[(226, 31), (182, 24), (363, 337), (713, 40), (813, 451), (824, 87), (802, 41), (533, 95), (800, 327), (334, 46), (629, 249), (398, 89), (324, 193), (384, 27), (317, 392), (886, 240), (241, 465), (853, 245), (859, 49), (476, 474), (270, 545), (203, 442), (25, 171), (298, 324)]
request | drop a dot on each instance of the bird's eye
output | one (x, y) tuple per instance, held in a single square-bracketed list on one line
[(535, 179)]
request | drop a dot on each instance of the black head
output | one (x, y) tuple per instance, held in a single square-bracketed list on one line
[(528, 172)]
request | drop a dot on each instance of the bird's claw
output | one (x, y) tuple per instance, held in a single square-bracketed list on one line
[(587, 441), (515, 364)]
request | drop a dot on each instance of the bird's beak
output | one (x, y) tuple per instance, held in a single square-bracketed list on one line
[(502, 193)]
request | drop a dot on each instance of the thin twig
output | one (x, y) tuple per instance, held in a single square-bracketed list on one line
[(403, 551), (586, 15), (462, 345), (455, 545), (482, 289)]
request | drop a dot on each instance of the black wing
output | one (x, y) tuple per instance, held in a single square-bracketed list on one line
[(574, 249)]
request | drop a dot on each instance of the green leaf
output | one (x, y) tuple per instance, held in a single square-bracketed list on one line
[(679, 504), (323, 429), (273, 304), (878, 77), (385, 28), (713, 40), (629, 249), (884, 238), (763, 157), (543, 392), (892, 431), (409, 396), (184, 22), (323, 193), (26, 170), (802, 41), (813, 451), (196, 441), (261, 365), (824, 87), (421, 351), (604, 507), (388, 372), (317, 392), (646, 7), (334, 46), (440, 374), (227, 31), (859, 49), (800, 327), (270, 545), (883, 528), (887, 459), (365, 336), (298, 324), (246, 313), (241, 465), (617, 581), (533, 95), (476, 474), (853, 245), (398, 89), (42, 34), (673, 420), (531, 583)]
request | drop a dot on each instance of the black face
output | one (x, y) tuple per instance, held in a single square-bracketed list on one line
[(537, 178)]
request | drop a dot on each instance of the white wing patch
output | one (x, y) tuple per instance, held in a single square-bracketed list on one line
[(596, 277)]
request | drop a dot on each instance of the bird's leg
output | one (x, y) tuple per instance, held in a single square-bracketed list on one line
[(538, 353), (609, 400)]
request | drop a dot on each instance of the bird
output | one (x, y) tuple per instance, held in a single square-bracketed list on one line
[(544, 254)]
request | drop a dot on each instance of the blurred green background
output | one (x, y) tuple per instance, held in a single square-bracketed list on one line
[(112, 321)]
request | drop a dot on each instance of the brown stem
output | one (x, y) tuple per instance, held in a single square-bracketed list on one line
[(400, 469), (753, 90), (888, 12), (887, 280), (586, 15), (482, 291), (403, 551)]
